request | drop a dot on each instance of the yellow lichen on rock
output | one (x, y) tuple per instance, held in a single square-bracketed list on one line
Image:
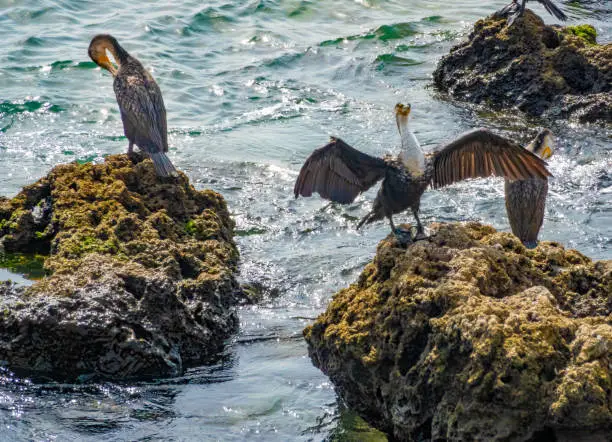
[(471, 336), (141, 272)]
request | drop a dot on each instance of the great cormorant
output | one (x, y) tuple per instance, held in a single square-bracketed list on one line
[(514, 10), (140, 102), (525, 199), (339, 173)]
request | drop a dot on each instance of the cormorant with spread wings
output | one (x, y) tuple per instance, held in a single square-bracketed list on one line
[(339, 173)]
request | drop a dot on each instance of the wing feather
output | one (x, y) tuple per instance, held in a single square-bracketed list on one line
[(338, 172), (142, 108), (481, 153)]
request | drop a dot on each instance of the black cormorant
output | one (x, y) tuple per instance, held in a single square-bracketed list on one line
[(514, 10), (525, 199), (140, 101)]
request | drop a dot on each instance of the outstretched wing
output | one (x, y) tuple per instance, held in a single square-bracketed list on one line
[(142, 109), (338, 172), (481, 153), (553, 9)]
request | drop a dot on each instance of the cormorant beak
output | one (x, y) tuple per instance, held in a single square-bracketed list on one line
[(401, 116), (549, 146), (104, 62), (543, 145)]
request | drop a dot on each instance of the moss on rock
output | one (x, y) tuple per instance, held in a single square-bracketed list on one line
[(586, 32), (471, 336), (128, 281), (540, 69)]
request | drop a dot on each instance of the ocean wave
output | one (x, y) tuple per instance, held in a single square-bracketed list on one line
[(23, 106)]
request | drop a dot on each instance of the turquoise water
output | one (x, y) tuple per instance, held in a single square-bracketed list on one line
[(251, 88)]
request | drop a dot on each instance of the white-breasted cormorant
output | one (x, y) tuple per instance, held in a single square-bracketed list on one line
[(339, 172)]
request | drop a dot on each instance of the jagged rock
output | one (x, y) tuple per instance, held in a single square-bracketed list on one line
[(554, 71), (141, 273), (471, 336)]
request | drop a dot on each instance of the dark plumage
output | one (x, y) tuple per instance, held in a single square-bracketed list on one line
[(339, 172), (526, 199), (514, 10), (140, 101)]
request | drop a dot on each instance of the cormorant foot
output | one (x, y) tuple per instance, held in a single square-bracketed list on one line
[(510, 12), (530, 244), (404, 237), (420, 235), (134, 157)]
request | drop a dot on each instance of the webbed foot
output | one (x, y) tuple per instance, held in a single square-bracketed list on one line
[(421, 234), (404, 237), (510, 12)]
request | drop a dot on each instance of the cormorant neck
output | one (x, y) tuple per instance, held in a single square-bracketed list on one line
[(411, 154), (120, 55)]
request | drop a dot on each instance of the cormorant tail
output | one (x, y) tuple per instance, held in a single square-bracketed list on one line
[(163, 165), (553, 9)]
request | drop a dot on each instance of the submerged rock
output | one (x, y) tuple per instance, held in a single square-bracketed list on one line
[(471, 336), (141, 273), (559, 72)]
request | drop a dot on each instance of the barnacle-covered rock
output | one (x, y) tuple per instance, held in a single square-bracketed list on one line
[(471, 336), (553, 71), (141, 273)]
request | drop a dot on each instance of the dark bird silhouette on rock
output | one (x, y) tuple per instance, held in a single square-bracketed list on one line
[(339, 173), (514, 10), (526, 199), (140, 101)]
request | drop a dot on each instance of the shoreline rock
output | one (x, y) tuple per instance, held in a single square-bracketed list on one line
[(141, 273), (542, 70), (471, 336)]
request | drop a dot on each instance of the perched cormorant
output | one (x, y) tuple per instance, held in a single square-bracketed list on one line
[(514, 10), (339, 172), (525, 199), (140, 101)]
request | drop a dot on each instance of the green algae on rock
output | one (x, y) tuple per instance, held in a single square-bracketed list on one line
[(554, 71), (471, 336), (141, 273)]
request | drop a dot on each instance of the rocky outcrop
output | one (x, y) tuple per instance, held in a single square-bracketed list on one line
[(141, 273), (553, 71), (471, 336)]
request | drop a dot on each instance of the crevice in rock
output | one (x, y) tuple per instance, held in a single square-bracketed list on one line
[(544, 435)]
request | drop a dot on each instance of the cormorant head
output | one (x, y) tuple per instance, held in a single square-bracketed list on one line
[(543, 144), (97, 51), (402, 111)]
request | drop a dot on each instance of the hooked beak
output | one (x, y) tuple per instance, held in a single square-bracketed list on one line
[(546, 152), (104, 62), (401, 116)]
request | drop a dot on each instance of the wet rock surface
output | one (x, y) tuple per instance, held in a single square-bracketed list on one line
[(141, 273), (550, 71), (471, 336)]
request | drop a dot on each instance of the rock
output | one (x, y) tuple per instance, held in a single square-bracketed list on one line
[(551, 71), (141, 273), (471, 336)]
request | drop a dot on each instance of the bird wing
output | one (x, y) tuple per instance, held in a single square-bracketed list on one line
[(481, 153), (553, 9), (339, 172), (142, 108)]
